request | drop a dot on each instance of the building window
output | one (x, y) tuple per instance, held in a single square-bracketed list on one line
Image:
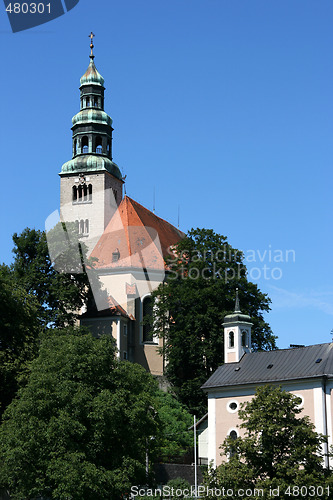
[(300, 405), (75, 146), (233, 436), (125, 329), (99, 146), (114, 197), (85, 144), (147, 311), (115, 255), (87, 102), (245, 341), (232, 406), (82, 193), (231, 340), (125, 355), (83, 226)]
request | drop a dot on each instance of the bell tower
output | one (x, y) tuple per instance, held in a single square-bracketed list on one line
[(91, 184), (237, 334)]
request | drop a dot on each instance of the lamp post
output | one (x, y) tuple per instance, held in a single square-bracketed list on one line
[(195, 459)]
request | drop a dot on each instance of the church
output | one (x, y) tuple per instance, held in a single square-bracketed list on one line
[(305, 371), (129, 244), (127, 241)]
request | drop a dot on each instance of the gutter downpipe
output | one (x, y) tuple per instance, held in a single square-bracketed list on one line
[(326, 449)]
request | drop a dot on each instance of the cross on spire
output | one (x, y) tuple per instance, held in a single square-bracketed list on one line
[(91, 36)]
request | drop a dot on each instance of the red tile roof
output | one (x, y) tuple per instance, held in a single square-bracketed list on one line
[(135, 237)]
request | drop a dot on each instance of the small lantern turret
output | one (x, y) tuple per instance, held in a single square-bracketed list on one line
[(237, 334)]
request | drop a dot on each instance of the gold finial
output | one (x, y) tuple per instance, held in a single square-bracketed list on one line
[(91, 36)]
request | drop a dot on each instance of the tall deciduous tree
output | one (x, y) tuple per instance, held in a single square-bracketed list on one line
[(203, 273), (85, 424), (60, 295), (79, 428), (19, 331), (280, 451)]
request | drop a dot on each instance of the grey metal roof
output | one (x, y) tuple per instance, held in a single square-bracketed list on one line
[(275, 366)]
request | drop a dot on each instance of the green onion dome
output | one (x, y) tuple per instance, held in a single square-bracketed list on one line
[(92, 116), (91, 76), (91, 163)]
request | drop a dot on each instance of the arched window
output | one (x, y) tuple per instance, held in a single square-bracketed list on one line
[(74, 194), (108, 147), (77, 226), (231, 340), (86, 226), (87, 102), (81, 227), (245, 342), (85, 192), (233, 435), (147, 310), (85, 144), (75, 146), (79, 189), (95, 102), (99, 147), (90, 192)]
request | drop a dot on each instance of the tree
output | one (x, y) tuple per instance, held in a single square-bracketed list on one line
[(60, 295), (80, 426), (19, 333), (84, 424), (174, 438), (280, 449), (203, 273)]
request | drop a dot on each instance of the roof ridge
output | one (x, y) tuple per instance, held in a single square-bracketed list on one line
[(292, 348)]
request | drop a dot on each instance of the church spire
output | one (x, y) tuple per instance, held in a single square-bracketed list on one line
[(92, 127), (237, 309)]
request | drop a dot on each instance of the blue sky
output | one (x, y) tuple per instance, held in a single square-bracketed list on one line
[(223, 107)]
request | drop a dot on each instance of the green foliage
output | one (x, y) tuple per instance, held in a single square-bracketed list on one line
[(19, 332), (60, 295), (190, 307), (80, 427), (280, 449), (174, 437)]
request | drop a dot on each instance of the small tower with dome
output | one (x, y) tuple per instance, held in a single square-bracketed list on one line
[(237, 334), (91, 183)]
